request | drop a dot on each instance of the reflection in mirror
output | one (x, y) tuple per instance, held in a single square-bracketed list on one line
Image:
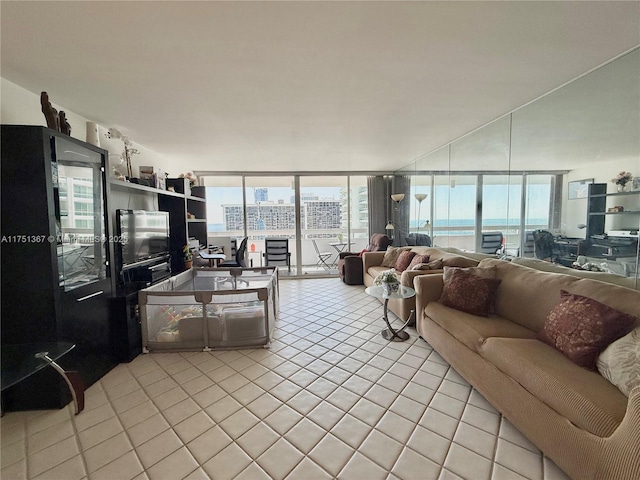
[(587, 131), (517, 182), (484, 196)]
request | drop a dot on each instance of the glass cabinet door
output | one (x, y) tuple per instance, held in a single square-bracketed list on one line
[(80, 221)]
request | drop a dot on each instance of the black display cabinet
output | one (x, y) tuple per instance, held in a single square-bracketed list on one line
[(56, 270)]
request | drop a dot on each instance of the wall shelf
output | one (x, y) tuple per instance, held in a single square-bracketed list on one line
[(119, 184)]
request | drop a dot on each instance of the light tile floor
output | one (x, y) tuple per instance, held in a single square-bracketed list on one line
[(330, 399)]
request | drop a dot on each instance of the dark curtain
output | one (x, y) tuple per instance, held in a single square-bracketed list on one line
[(378, 190)]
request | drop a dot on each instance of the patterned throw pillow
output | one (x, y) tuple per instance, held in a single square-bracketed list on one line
[(418, 259), (581, 327), (620, 362), (404, 259), (390, 256), (435, 265), (469, 293)]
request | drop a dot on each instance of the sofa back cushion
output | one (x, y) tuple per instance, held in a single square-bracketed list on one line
[(538, 264), (526, 296)]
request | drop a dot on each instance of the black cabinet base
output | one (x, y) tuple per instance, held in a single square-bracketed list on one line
[(125, 328)]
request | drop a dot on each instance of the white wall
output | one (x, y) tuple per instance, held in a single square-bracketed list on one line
[(575, 211), (19, 106)]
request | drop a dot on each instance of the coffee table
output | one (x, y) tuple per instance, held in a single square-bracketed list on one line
[(390, 333)]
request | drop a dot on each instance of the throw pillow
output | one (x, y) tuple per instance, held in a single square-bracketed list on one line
[(363, 252), (390, 257), (482, 272), (404, 259), (435, 265), (581, 327), (469, 293), (418, 259), (620, 362)]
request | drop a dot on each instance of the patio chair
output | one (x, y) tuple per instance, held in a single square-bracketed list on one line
[(492, 243), (322, 257), (276, 252)]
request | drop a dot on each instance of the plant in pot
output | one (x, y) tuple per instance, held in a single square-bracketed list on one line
[(188, 256), (388, 280)]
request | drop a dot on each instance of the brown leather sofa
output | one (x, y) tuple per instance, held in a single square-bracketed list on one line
[(350, 263)]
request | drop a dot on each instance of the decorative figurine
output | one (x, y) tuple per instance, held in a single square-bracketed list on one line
[(50, 113), (65, 126)]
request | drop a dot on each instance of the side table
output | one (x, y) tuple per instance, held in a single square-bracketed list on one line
[(20, 361), (403, 292)]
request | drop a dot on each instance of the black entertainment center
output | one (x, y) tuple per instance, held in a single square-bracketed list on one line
[(79, 247)]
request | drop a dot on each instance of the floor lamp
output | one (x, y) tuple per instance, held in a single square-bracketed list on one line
[(419, 197), (397, 198)]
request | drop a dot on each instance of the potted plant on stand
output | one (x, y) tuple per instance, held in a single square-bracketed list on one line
[(388, 280), (188, 256)]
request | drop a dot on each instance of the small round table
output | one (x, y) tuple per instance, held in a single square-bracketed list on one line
[(403, 292)]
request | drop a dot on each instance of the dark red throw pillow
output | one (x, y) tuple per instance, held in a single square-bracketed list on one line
[(363, 252), (418, 259), (404, 260), (469, 293), (581, 327)]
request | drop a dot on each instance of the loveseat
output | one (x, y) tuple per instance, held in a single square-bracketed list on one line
[(373, 265), (578, 418)]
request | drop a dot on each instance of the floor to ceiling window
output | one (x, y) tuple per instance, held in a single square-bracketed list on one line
[(270, 213), (332, 213)]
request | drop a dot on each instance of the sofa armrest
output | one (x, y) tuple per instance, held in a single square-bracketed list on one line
[(428, 289), (342, 255), (407, 276), (619, 457), (372, 259)]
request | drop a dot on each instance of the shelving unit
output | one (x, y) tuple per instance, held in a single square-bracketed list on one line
[(597, 216), (179, 203)]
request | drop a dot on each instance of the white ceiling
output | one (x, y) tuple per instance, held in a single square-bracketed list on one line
[(304, 86)]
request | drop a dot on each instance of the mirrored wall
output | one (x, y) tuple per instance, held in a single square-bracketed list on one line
[(548, 166)]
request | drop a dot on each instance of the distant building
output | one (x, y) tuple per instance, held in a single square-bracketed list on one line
[(315, 215), (261, 195)]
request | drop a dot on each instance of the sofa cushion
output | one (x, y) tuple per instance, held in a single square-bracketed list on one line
[(418, 259), (468, 292), (482, 272), (472, 330), (434, 265), (584, 398), (404, 260), (581, 327), (620, 362), (450, 260)]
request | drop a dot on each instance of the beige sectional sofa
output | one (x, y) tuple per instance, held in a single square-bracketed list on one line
[(403, 307), (574, 415)]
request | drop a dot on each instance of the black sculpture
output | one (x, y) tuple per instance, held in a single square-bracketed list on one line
[(56, 121)]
